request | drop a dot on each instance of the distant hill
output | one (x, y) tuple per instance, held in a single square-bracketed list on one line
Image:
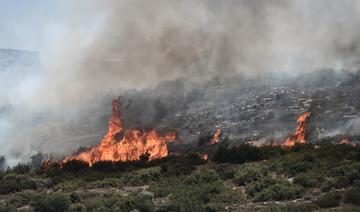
[(11, 58)]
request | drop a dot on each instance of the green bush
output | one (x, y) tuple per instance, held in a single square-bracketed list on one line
[(280, 191), (328, 200), (328, 184), (273, 189), (67, 186), (167, 185), (77, 207), (248, 173), (201, 191), (308, 207), (306, 180), (53, 202), (353, 196), (21, 199), (21, 169), (7, 208), (105, 183), (16, 182), (137, 178), (347, 210), (75, 197), (115, 202), (171, 168), (226, 171)]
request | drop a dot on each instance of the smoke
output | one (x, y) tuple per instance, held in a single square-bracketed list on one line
[(136, 44), (109, 46)]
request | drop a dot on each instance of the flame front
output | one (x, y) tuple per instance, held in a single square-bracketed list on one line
[(300, 133), (344, 141), (130, 147), (205, 156), (216, 136)]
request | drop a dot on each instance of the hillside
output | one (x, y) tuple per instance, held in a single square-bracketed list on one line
[(237, 178)]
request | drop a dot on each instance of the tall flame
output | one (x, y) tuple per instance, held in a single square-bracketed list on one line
[(215, 137), (300, 133), (130, 147)]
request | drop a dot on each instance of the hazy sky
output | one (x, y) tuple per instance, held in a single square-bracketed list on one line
[(32, 25)]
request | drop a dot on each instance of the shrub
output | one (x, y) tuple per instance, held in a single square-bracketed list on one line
[(166, 186), (273, 189), (105, 183), (290, 208), (353, 196), (305, 180), (138, 178), (77, 207), (54, 202), (347, 210), (279, 191), (292, 165), (175, 168), (21, 199), (16, 182), (181, 165), (201, 191), (328, 200), (226, 171), (7, 208), (74, 166), (67, 186), (237, 154), (75, 197), (327, 185), (21, 169), (249, 173), (115, 202)]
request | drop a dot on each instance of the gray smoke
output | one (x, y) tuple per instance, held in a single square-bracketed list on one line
[(110, 46)]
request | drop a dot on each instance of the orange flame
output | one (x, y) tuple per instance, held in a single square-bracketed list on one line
[(216, 136), (205, 156), (129, 147), (300, 133), (344, 141)]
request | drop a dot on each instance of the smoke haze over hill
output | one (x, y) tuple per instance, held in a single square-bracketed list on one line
[(92, 53)]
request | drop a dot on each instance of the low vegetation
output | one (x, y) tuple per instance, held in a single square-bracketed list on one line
[(240, 178)]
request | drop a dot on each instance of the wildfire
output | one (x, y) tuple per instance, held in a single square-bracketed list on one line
[(344, 141), (125, 145), (205, 157), (216, 136), (300, 133)]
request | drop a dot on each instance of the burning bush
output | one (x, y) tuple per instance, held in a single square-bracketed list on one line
[(120, 145)]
